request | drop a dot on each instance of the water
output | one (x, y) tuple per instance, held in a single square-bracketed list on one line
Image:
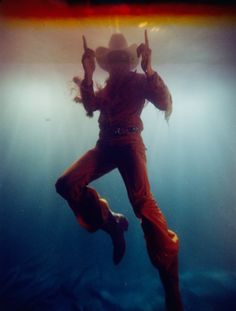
[(48, 262)]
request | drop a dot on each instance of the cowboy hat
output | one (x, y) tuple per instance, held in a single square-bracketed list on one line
[(117, 43)]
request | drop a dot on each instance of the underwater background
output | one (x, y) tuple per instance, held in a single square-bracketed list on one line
[(47, 261)]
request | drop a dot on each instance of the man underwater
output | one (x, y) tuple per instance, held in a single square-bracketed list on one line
[(120, 146)]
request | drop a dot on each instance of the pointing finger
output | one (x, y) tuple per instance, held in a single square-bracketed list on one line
[(146, 39), (84, 43)]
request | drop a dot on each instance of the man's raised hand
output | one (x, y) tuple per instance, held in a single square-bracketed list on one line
[(88, 61), (145, 52)]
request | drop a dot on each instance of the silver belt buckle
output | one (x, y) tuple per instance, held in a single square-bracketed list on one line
[(117, 131)]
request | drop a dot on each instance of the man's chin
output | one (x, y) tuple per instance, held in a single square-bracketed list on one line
[(119, 72)]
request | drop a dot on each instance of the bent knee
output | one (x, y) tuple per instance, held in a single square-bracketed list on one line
[(61, 186), (69, 188)]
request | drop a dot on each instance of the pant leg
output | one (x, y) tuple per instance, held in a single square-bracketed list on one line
[(162, 243), (89, 208)]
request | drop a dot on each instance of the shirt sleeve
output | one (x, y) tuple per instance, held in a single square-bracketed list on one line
[(90, 99), (156, 91)]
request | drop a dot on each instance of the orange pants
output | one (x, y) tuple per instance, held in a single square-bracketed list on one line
[(91, 210)]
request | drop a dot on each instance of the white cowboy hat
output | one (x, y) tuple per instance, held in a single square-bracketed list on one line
[(117, 43)]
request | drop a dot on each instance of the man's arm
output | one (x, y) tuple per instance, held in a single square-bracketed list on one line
[(156, 91), (91, 100)]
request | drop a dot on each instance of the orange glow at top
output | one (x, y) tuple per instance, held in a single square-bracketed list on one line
[(56, 9)]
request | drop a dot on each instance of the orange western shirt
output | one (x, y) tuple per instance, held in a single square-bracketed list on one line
[(121, 102)]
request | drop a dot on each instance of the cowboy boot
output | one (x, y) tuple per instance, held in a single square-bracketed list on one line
[(170, 281), (115, 226)]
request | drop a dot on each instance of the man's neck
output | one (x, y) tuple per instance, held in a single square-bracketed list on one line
[(118, 75)]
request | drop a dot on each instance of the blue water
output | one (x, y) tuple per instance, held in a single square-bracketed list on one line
[(48, 262)]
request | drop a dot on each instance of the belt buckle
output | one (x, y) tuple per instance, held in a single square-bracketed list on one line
[(133, 129), (118, 131)]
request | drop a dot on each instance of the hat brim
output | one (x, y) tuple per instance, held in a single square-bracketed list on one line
[(101, 54)]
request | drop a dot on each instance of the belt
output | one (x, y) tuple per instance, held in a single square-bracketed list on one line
[(119, 131), (124, 130)]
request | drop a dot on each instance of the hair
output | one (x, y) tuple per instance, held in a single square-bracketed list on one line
[(78, 99)]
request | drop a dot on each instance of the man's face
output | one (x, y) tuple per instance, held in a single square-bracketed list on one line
[(118, 62)]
